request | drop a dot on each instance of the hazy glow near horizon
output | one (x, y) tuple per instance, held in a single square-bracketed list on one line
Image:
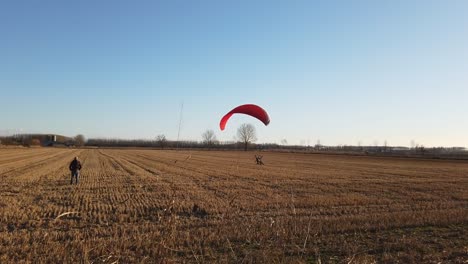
[(340, 71)]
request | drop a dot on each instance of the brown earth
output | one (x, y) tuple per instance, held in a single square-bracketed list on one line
[(149, 206)]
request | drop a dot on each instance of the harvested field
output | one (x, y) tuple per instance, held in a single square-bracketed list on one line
[(150, 206)]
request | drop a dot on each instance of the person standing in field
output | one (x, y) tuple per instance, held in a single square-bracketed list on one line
[(75, 167)]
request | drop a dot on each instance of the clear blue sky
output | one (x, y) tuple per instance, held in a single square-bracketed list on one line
[(340, 71)]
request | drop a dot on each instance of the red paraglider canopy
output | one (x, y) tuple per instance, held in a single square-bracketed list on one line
[(247, 109)]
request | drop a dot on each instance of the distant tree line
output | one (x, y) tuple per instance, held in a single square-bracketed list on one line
[(163, 143), (246, 137), (27, 140), (45, 140), (240, 145)]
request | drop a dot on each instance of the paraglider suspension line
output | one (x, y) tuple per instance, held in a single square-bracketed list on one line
[(180, 124)]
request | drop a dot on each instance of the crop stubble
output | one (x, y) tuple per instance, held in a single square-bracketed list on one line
[(150, 206)]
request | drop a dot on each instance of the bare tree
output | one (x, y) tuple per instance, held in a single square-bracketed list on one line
[(422, 149), (209, 137), (80, 140), (161, 139), (318, 145), (26, 140), (246, 134)]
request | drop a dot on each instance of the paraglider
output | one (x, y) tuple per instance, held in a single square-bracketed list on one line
[(247, 109)]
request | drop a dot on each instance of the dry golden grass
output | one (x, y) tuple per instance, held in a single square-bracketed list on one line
[(147, 206)]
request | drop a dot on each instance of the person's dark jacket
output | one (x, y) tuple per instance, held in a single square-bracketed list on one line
[(75, 165)]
